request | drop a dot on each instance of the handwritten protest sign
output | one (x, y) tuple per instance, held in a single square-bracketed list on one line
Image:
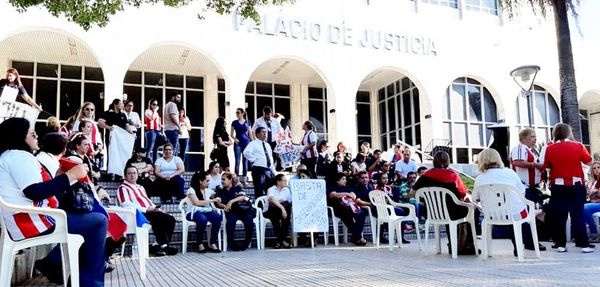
[(309, 205), (11, 109)]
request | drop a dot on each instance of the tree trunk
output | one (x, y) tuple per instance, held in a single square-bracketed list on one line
[(568, 86)]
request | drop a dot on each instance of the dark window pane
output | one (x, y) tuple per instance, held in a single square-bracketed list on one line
[(221, 104), (553, 111), (416, 105), (282, 90), (398, 86), (398, 107), (490, 107), (70, 99), (196, 140), (390, 90), (363, 139), (250, 109), (363, 119), (384, 141), (282, 106), (70, 72), (94, 74), (405, 83), (135, 94), (474, 94), (363, 97), (195, 108), (153, 79), (393, 140), (174, 80), (250, 88), (47, 70), (192, 82), (24, 68), (585, 132), (462, 155), (381, 94), (46, 95), (221, 85), (382, 117), (133, 77), (264, 88), (94, 93), (408, 136), (407, 108), (262, 102), (418, 136), (315, 112), (471, 81), (391, 113), (196, 162), (315, 93), (28, 84)]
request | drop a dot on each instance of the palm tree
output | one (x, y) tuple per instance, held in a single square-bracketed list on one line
[(568, 87)]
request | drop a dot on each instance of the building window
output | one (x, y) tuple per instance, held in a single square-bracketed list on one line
[(221, 94), (317, 110), (545, 113), (485, 6), (363, 116), (446, 3), (469, 109), (61, 89), (260, 95), (399, 113), (585, 128), (141, 87)]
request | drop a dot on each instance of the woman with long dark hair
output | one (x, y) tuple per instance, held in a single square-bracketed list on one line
[(201, 212), (221, 141), (309, 153), (27, 183), (153, 126), (242, 135)]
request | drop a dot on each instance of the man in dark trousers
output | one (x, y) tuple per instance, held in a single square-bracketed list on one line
[(259, 154)]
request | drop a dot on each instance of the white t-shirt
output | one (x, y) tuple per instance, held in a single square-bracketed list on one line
[(523, 152), (49, 162), (134, 117), (185, 134), (504, 176), (358, 167), (214, 181), (404, 168), (168, 167), (206, 193), (170, 109), (280, 195)]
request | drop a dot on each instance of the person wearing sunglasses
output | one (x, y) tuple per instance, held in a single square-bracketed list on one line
[(153, 126)]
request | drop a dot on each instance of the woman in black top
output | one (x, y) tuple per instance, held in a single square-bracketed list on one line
[(13, 81), (343, 201), (222, 141), (231, 197)]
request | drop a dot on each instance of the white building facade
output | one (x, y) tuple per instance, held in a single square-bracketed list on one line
[(419, 71)]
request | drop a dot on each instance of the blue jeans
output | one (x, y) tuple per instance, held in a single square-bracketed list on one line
[(151, 146), (248, 221), (173, 136), (92, 226), (184, 148), (588, 210), (202, 219), (237, 150)]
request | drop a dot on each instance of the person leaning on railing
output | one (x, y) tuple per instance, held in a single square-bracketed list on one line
[(24, 181)]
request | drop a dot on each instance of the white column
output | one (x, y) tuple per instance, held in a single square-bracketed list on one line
[(299, 109), (375, 128), (211, 113)]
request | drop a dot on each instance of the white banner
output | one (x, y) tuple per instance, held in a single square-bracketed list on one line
[(11, 109), (119, 150), (309, 205)]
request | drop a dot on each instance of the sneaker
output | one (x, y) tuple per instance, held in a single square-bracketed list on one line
[(583, 246), (561, 249), (157, 251), (169, 250), (108, 266), (587, 249)]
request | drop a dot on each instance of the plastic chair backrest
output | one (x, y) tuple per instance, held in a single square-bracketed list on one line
[(182, 206), (435, 201), (261, 202), (378, 199), (495, 201)]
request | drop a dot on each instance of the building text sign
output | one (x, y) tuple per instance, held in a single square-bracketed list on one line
[(341, 34)]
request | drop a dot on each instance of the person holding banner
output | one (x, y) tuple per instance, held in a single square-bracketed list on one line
[(11, 87), (259, 153), (346, 206), (309, 153), (279, 210)]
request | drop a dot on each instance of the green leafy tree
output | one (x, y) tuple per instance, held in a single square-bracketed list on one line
[(566, 70), (88, 14)]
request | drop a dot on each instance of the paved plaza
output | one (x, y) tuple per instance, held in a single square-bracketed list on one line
[(366, 266)]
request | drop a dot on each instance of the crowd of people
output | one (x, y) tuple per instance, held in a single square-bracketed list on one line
[(216, 195)]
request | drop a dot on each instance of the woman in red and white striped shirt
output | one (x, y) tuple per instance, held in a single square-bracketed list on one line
[(153, 126)]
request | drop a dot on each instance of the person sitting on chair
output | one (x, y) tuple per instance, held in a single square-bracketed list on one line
[(133, 195), (279, 210)]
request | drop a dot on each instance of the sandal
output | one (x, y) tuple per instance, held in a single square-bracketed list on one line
[(361, 242)]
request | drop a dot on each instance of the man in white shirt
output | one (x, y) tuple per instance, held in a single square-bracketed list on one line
[(404, 166), (272, 126), (133, 118), (260, 154), (171, 121)]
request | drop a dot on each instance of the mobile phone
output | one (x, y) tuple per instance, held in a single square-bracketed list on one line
[(157, 205)]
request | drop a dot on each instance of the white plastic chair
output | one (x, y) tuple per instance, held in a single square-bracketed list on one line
[(69, 243), (437, 214), (256, 221), (186, 224), (259, 204), (496, 203), (385, 206), (141, 236), (336, 223)]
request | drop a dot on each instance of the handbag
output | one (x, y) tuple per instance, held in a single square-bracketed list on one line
[(162, 138), (203, 209), (243, 207), (78, 199), (214, 153)]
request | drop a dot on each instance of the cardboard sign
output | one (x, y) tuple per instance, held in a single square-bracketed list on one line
[(309, 205), (11, 109)]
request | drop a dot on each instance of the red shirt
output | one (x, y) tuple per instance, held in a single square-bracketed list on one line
[(564, 159)]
